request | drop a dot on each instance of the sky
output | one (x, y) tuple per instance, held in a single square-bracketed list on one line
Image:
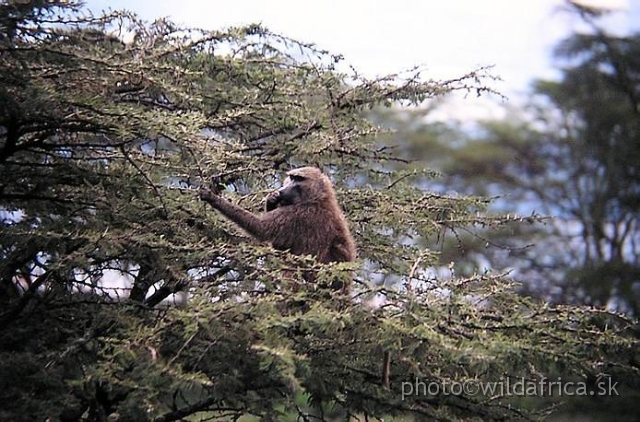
[(447, 38)]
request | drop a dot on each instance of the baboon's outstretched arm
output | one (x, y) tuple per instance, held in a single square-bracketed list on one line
[(302, 217), (251, 223)]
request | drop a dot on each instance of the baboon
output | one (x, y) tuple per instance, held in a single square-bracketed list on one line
[(302, 217)]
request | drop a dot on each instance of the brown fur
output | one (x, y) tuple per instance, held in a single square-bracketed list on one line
[(303, 217)]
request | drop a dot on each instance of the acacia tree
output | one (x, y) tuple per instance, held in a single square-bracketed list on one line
[(108, 126)]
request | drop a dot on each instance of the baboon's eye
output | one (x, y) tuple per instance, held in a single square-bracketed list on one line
[(296, 178)]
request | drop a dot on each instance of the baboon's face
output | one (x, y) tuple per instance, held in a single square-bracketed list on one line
[(291, 192)]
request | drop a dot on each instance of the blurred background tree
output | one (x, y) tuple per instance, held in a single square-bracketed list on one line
[(573, 154), (124, 298)]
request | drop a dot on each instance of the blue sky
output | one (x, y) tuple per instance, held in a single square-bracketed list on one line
[(448, 38)]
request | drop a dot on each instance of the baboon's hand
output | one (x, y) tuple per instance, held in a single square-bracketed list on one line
[(272, 201), (208, 194)]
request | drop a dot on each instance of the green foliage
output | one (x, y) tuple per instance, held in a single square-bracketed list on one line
[(103, 143)]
